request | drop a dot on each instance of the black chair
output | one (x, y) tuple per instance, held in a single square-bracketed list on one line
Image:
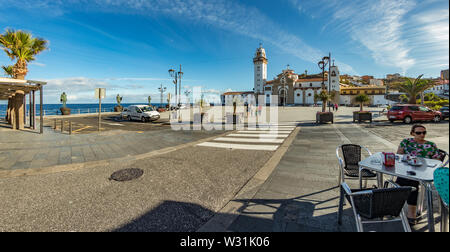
[(349, 163), (376, 204)]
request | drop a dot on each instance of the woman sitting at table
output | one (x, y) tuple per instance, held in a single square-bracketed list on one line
[(418, 147)]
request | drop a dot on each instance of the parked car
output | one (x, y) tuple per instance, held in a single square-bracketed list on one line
[(143, 113), (409, 113), (444, 112)]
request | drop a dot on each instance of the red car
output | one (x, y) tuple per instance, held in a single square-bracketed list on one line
[(409, 113)]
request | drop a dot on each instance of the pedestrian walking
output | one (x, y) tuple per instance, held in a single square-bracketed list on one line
[(336, 106), (332, 105)]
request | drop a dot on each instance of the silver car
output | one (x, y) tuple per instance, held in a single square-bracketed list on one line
[(143, 113)]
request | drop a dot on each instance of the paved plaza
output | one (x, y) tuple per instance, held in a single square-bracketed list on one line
[(193, 180)]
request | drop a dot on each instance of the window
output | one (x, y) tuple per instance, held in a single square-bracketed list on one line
[(397, 108), (268, 96), (298, 95), (310, 84), (333, 73), (309, 94)]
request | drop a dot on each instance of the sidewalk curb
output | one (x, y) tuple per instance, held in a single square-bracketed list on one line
[(230, 212), (86, 165)]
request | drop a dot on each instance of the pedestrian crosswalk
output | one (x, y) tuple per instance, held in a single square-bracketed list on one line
[(266, 137)]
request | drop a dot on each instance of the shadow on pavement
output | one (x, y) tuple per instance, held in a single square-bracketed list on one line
[(291, 215), (287, 215)]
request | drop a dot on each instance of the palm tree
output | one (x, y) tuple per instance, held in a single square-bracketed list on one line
[(361, 99), (22, 47), (8, 71), (413, 87), (324, 97)]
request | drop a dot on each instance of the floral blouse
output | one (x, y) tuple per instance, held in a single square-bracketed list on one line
[(425, 150)]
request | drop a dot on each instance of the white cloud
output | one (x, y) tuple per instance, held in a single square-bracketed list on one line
[(37, 64), (405, 34), (378, 26), (227, 15)]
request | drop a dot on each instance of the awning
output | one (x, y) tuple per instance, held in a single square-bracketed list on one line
[(8, 87)]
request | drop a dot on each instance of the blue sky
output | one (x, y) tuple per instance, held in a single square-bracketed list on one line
[(128, 46)]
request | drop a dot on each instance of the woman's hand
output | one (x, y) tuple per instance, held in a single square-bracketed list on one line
[(401, 151)]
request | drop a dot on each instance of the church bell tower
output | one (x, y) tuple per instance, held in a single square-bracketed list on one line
[(260, 62)]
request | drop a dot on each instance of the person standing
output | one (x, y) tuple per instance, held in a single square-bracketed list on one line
[(336, 106)]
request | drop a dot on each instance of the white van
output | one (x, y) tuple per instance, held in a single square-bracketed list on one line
[(143, 113)]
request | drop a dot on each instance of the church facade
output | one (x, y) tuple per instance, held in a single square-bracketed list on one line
[(289, 88)]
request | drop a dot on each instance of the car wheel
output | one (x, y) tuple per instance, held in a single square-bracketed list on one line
[(129, 118), (392, 121), (437, 119), (143, 119), (407, 120)]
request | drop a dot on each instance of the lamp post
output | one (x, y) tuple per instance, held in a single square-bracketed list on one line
[(177, 79), (322, 65), (187, 93), (162, 90)]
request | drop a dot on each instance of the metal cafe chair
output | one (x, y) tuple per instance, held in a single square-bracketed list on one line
[(375, 204), (441, 182), (348, 164)]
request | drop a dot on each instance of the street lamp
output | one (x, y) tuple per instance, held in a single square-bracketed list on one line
[(177, 79), (162, 90), (322, 65), (187, 93)]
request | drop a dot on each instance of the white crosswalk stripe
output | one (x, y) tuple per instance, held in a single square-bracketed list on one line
[(260, 138), (265, 132), (240, 146), (248, 140)]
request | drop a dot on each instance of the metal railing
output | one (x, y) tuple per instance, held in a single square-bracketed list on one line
[(49, 112)]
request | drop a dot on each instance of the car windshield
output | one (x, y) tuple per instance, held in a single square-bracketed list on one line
[(147, 109), (396, 108)]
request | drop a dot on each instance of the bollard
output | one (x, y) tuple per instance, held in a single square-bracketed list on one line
[(54, 126), (70, 127), (62, 126)]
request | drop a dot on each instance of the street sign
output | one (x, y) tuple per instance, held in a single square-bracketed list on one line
[(100, 93)]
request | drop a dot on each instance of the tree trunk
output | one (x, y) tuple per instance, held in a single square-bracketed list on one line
[(361, 107), (20, 69)]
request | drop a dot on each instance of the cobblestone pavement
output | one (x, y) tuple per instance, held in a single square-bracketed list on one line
[(186, 188), (25, 150)]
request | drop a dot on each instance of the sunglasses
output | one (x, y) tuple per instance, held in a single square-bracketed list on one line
[(420, 133)]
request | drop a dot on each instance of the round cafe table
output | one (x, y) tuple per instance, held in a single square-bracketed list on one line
[(424, 175)]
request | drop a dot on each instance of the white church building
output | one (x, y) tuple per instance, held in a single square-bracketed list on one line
[(291, 88)]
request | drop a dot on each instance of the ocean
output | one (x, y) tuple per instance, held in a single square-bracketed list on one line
[(53, 109)]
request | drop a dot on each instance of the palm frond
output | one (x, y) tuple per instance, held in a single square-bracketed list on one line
[(9, 71)]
